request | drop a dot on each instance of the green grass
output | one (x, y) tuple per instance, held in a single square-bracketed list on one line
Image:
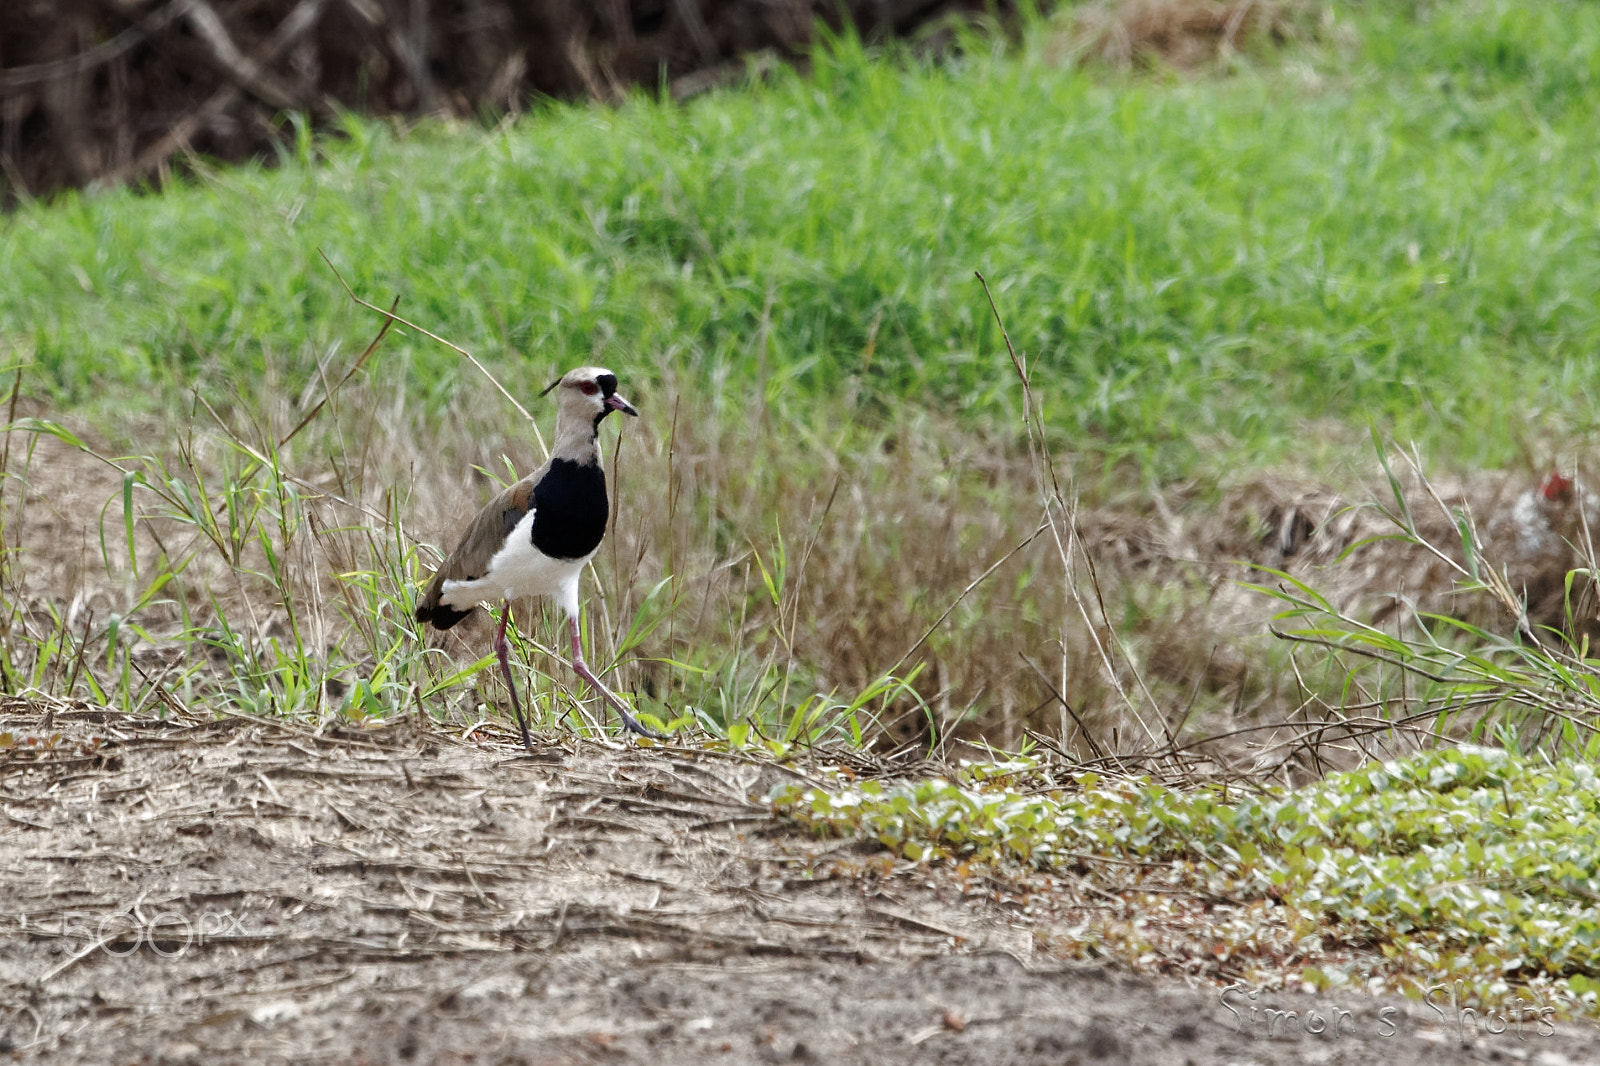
[(1398, 221)]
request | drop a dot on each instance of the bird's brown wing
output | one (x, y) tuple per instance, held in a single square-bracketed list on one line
[(484, 536)]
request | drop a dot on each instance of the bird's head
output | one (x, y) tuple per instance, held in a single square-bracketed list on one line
[(589, 393), (1555, 488)]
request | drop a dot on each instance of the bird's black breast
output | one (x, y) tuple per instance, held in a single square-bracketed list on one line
[(569, 509)]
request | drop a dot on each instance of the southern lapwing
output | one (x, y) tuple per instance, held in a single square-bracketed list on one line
[(535, 537)]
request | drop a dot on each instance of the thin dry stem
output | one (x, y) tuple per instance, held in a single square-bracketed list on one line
[(392, 317)]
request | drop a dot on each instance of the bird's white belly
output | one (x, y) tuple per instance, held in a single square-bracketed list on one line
[(519, 569)]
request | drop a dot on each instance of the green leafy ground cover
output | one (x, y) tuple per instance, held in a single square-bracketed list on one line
[(1466, 864), (1396, 219)]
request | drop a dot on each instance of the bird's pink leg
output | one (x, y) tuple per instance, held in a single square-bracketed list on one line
[(503, 650), (632, 724)]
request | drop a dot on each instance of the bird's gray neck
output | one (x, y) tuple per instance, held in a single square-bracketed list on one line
[(575, 441)]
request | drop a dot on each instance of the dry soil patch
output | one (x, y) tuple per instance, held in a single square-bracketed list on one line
[(244, 890)]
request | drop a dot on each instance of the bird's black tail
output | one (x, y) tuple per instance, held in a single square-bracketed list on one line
[(438, 615)]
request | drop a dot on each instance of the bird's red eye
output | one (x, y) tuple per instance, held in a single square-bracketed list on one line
[(589, 388)]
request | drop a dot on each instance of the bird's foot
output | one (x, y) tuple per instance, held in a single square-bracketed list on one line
[(633, 725), (522, 719), (629, 722)]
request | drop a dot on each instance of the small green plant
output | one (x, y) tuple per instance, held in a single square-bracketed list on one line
[(1466, 865), (1427, 676)]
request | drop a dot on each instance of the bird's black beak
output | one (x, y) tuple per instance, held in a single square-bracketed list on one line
[(617, 403)]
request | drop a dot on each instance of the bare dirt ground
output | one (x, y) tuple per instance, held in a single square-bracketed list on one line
[(249, 891)]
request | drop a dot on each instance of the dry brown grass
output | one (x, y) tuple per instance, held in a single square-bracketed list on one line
[(881, 536), (1185, 34), (910, 545)]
